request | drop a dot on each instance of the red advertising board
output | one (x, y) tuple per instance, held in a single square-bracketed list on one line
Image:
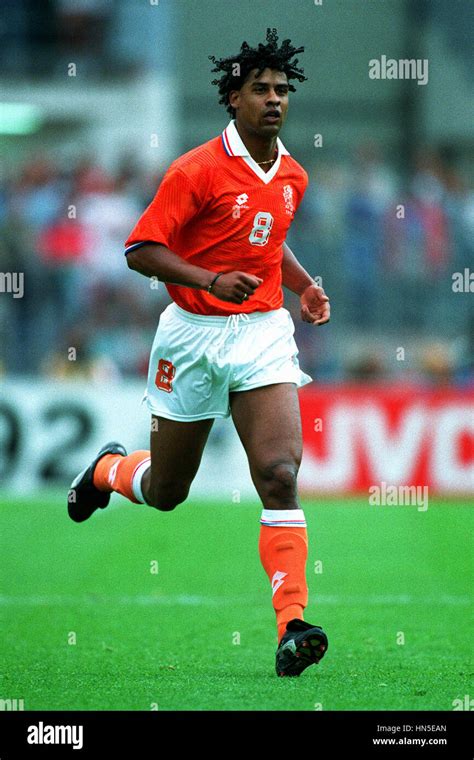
[(358, 436)]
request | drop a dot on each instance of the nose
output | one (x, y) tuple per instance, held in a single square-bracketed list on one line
[(273, 99)]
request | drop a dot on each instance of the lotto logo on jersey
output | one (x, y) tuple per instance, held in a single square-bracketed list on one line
[(288, 198), (164, 375), (239, 205)]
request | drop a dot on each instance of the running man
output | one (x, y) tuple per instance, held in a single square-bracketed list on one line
[(215, 234)]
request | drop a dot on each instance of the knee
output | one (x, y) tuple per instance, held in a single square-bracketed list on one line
[(278, 480), (167, 497)]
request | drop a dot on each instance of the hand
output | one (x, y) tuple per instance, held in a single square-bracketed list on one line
[(236, 287), (315, 305)]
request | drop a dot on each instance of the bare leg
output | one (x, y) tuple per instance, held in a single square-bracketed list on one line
[(268, 422), (176, 451)]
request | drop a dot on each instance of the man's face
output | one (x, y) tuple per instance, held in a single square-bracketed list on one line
[(262, 102)]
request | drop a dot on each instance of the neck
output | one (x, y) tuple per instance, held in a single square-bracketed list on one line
[(260, 148)]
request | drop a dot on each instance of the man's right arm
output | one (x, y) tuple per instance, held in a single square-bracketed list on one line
[(155, 260)]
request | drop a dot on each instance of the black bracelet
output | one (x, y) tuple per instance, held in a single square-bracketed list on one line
[(209, 287)]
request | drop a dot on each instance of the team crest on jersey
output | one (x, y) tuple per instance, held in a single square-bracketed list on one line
[(288, 198)]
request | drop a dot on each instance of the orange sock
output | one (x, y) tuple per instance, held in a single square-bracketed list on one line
[(123, 474), (283, 548)]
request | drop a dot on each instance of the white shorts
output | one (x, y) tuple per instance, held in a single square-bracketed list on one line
[(197, 360)]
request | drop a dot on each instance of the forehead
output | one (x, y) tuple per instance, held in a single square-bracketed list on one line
[(268, 76)]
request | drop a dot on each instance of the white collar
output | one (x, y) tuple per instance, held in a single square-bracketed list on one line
[(234, 146)]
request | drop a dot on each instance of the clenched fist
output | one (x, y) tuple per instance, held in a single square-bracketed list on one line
[(235, 287)]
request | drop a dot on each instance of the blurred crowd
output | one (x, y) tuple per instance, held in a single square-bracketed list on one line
[(386, 246)]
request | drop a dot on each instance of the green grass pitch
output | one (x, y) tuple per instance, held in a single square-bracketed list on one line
[(199, 634)]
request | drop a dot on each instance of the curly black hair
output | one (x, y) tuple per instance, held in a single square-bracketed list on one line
[(265, 56)]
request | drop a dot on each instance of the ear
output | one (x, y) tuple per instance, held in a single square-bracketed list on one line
[(234, 97)]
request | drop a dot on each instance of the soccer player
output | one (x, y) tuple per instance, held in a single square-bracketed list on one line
[(215, 234)]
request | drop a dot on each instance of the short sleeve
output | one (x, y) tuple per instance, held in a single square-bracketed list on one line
[(302, 189), (175, 203)]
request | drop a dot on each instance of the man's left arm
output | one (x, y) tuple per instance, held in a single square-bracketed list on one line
[(314, 301)]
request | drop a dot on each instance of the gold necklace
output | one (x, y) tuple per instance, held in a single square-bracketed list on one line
[(271, 161)]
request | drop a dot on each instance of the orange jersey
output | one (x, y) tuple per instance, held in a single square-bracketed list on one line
[(219, 210)]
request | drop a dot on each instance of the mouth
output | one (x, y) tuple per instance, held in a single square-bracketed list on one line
[(272, 117)]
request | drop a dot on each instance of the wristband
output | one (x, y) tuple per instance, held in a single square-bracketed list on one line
[(209, 287)]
